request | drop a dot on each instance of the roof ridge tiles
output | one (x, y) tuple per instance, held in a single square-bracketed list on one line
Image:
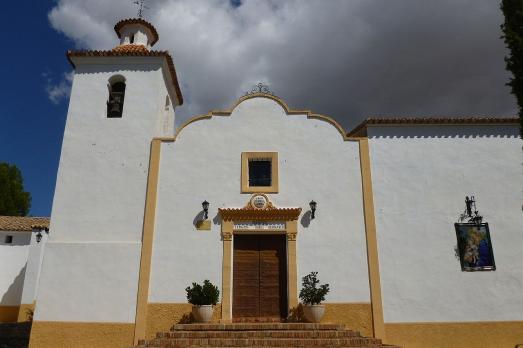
[(360, 129)]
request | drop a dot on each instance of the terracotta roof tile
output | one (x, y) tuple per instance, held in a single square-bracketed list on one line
[(133, 53), (118, 27), (246, 214), (361, 129), (23, 223), (131, 48)]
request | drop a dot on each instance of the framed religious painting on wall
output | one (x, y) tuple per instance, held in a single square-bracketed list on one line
[(475, 247)]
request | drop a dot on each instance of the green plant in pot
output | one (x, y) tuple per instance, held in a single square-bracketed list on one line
[(312, 295), (203, 298)]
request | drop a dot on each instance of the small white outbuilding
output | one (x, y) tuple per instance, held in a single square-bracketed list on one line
[(22, 240)]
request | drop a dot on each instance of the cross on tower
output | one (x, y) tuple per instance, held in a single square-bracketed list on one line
[(141, 7)]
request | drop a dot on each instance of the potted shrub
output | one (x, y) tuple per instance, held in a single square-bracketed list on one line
[(311, 295), (203, 298)]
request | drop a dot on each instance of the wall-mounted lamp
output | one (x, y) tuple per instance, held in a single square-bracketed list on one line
[(205, 206), (313, 204), (38, 237)]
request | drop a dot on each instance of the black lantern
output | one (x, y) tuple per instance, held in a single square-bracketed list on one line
[(205, 206), (313, 204), (38, 237), (471, 211)]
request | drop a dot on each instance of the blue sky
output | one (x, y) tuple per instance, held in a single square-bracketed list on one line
[(32, 125), (345, 59)]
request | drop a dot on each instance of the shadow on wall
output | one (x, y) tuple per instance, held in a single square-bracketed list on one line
[(198, 218), (13, 295), (454, 131), (306, 219), (217, 219)]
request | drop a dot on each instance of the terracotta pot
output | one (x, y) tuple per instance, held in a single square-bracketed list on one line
[(202, 314), (314, 313)]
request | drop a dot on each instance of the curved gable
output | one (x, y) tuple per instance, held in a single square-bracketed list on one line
[(288, 111)]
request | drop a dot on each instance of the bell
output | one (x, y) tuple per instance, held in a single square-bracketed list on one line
[(115, 107)]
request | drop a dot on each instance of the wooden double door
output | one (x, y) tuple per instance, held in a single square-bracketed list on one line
[(259, 276)]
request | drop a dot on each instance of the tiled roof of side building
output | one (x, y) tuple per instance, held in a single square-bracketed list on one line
[(23, 223), (139, 52), (361, 129)]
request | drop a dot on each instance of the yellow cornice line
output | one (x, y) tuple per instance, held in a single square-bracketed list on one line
[(288, 111)]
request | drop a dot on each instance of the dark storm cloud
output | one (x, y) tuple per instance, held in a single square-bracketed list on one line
[(345, 59)]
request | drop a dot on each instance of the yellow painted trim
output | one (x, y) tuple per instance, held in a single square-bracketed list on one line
[(372, 243), (491, 334), (285, 107), (246, 157), (227, 231), (9, 314), (26, 312), (54, 334), (292, 268), (164, 139), (147, 241), (203, 225)]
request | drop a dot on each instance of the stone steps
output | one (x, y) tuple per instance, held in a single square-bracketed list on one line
[(256, 327), (264, 342), (260, 334), (267, 335)]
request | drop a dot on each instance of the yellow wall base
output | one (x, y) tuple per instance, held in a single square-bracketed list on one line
[(54, 334), (25, 312), (9, 314), (355, 316), (161, 316), (455, 335)]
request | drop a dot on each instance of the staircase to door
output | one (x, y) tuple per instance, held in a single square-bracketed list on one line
[(259, 278)]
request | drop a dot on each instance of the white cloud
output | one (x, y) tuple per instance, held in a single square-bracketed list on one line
[(347, 59), (61, 90)]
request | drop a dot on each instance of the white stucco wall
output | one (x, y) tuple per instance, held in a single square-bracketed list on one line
[(314, 163), (89, 282), (101, 182), (91, 263), (13, 258), (142, 35), (420, 177), (33, 267)]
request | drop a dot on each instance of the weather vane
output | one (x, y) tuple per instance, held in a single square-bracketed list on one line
[(141, 8)]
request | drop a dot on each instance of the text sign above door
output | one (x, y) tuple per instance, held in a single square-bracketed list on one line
[(260, 225)]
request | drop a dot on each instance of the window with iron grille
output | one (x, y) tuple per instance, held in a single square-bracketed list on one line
[(260, 172)]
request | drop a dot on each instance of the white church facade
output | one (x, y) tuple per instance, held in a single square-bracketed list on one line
[(128, 232)]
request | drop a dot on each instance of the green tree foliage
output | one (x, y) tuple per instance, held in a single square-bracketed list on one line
[(199, 295), (513, 36), (14, 201), (311, 292)]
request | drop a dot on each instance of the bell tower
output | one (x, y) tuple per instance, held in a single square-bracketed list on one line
[(120, 100)]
